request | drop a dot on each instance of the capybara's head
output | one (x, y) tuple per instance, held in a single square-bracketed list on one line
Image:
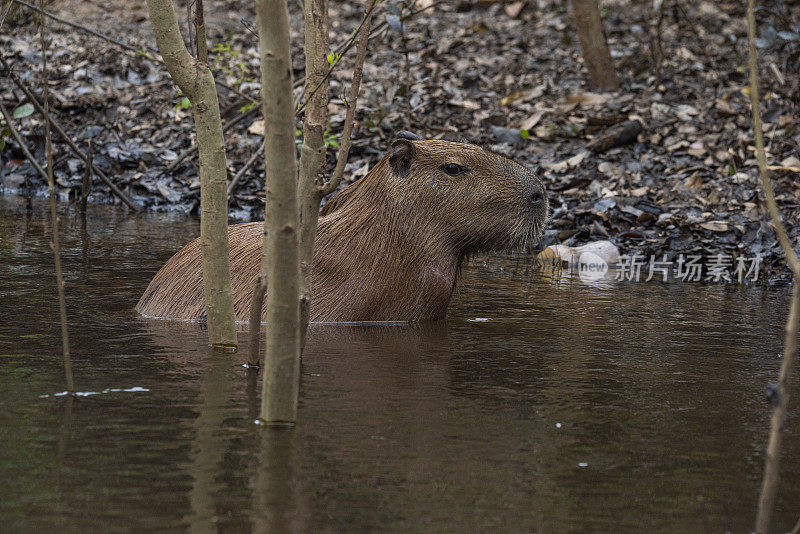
[(478, 200)]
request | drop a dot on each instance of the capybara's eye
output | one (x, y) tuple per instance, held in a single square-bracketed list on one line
[(453, 169)]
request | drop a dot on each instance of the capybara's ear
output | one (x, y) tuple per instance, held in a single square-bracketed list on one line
[(405, 134), (402, 152)]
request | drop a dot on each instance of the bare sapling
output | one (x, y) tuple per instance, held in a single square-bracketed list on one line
[(282, 358), (596, 55), (780, 396), (197, 82), (55, 244), (312, 185)]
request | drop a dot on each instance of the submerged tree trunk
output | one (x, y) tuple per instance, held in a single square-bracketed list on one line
[(586, 14), (312, 153), (197, 83), (282, 358)]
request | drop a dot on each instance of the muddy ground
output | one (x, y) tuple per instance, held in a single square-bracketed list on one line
[(479, 71)]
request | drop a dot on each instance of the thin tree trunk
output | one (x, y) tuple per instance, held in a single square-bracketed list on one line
[(312, 153), (312, 186), (593, 43), (197, 83), (769, 483), (282, 358), (256, 305), (55, 244)]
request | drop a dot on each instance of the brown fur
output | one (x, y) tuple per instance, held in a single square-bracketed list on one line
[(389, 247)]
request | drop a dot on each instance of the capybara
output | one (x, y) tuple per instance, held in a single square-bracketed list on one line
[(389, 247)]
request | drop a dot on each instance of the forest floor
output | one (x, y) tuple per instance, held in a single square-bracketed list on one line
[(508, 76)]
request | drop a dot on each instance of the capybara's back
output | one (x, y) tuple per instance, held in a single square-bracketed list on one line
[(176, 291)]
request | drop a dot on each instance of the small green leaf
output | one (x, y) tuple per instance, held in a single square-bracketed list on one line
[(185, 103), (247, 107), (331, 57), (24, 110), (525, 134)]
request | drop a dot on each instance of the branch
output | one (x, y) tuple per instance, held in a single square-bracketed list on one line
[(48, 138), (67, 139), (225, 127), (21, 143), (769, 484), (179, 62), (200, 32), (138, 51), (769, 193), (343, 48), (247, 165), (352, 103)]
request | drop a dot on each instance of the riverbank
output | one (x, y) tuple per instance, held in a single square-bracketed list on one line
[(507, 76)]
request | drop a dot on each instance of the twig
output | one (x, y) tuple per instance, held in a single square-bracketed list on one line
[(21, 143), (342, 49), (62, 304), (200, 32), (82, 28), (50, 120), (247, 165), (86, 186), (352, 103), (190, 27), (658, 6), (345, 47), (225, 127), (406, 72), (348, 44), (147, 53), (769, 484)]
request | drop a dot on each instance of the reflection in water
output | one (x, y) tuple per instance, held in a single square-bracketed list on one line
[(208, 445), (566, 407)]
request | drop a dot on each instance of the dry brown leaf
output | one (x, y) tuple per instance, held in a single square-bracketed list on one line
[(257, 128), (584, 99), (532, 121), (574, 161), (466, 104), (523, 96), (514, 9), (715, 226), (790, 168)]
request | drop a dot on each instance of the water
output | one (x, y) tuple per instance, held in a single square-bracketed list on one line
[(571, 408)]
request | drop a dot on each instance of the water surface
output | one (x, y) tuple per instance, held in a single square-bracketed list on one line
[(570, 408)]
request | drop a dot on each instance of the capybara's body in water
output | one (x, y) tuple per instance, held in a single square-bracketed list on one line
[(390, 246)]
